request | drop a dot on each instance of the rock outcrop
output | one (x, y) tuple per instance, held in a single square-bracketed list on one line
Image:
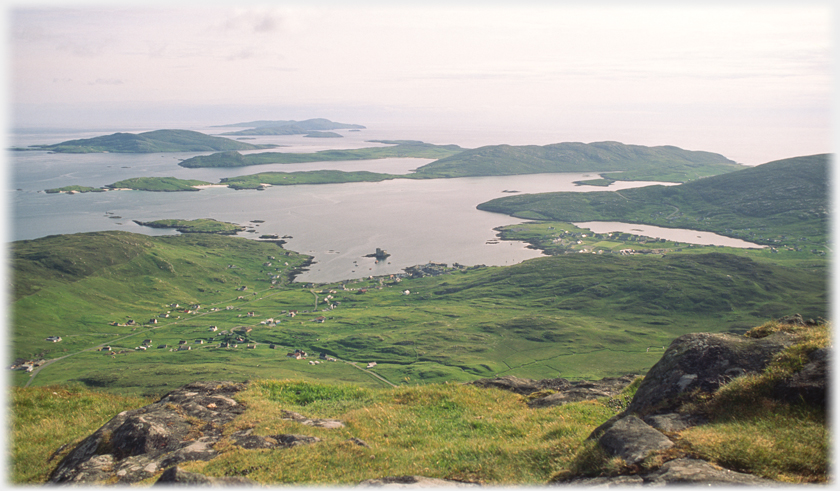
[(557, 391), (681, 471), (695, 363), (184, 425), (175, 476), (413, 482), (702, 362)]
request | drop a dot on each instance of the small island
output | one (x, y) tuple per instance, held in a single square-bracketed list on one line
[(198, 226), (322, 134), (75, 190), (379, 254)]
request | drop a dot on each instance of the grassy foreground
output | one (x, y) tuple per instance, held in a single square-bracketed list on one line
[(453, 431)]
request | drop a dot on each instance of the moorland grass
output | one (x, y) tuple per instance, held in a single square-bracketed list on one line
[(447, 431)]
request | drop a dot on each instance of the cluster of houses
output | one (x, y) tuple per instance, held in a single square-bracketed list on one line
[(26, 365)]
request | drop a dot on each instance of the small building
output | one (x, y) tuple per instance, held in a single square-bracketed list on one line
[(199, 341), (53, 339), (147, 341), (371, 364), (162, 346), (183, 341), (213, 329)]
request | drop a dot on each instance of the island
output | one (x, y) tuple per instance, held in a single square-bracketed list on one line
[(150, 142), (198, 226), (379, 254), (290, 127), (395, 149)]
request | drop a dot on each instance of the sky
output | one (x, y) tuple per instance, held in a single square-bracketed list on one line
[(750, 80)]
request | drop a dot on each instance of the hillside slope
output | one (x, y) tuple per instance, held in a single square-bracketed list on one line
[(586, 316), (775, 203), (636, 162), (151, 142)]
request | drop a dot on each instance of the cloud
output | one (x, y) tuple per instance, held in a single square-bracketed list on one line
[(255, 21)]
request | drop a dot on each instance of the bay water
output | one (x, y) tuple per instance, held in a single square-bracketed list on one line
[(416, 221)]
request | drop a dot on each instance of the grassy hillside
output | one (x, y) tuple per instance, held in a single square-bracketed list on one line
[(452, 431), (257, 181), (150, 142), (782, 203), (580, 316), (166, 184), (400, 149), (634, 162)]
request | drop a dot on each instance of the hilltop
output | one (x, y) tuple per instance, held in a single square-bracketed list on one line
[(291, 127), (624, 162), (782, 203), (150, 142)]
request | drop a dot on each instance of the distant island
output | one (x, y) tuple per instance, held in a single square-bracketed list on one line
[(309, 127), (198, 226), (636, 162), (150, 142), (396, 149), (163, 184), (322, 134)]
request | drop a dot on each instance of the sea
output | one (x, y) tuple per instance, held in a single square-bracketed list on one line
[(415, 221)]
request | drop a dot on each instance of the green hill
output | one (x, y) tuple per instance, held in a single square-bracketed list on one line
[(635, 162), (397, 149), (781, 203), (151, 142), (580, 315)]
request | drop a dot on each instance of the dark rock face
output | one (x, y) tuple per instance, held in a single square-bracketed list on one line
[(175, 476), (678, 472), (413, 481), (809, 384), (565, 391), (703, 361), (184, 425), (632, 439), (136, 444)]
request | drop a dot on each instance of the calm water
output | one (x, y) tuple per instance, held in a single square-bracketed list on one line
[(675, 234), (415, 221)]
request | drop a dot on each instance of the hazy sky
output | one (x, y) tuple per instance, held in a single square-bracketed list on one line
[(750, 80)]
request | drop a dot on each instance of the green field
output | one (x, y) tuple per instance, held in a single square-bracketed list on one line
[(572, 315)]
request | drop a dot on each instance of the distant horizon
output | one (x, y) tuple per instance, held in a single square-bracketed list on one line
[(753, 82)]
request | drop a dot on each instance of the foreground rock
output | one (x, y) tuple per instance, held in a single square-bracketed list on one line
[(175, 476), (692, 364), (702, 362), (677, 472), (183, 426), (137, 444), (413, 481), (557, 391)]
